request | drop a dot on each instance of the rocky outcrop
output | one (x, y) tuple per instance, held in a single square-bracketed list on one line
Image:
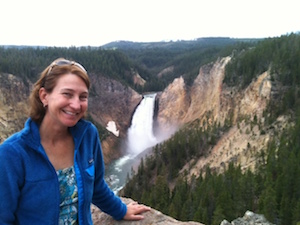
[(249, 218), (137, 79), (153, 217)]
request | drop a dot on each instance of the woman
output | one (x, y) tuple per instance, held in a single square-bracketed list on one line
[(52, 170)]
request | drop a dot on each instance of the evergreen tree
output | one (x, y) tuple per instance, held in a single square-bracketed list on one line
[(161, 194), (269, 205), (218, 216)]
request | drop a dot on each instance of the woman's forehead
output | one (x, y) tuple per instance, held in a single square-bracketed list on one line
[(70, 81)]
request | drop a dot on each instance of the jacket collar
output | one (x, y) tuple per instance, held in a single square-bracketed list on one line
[(31, 133)]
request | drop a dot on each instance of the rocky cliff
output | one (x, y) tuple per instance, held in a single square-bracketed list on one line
[(111, 101), (211, 102)]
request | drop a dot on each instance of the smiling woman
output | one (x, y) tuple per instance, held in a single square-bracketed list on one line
[(53, 169)]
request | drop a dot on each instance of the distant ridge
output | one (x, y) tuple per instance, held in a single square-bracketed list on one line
[(207, 41)]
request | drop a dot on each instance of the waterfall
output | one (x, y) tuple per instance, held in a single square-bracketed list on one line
[(139, 138), (140, 134)]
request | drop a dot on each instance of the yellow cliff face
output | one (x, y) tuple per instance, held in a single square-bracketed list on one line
[(211, 102), (179, 104), (173, 104), (206, 91)]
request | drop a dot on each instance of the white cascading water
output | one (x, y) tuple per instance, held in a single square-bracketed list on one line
[(140, 134), (139, 138)]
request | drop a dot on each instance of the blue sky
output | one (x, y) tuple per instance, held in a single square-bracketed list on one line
[(97, 22)]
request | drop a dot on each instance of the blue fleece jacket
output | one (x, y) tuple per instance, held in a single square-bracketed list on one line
[(29, 188)]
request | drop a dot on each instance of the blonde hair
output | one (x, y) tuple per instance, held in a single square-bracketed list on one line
[(48, 80)]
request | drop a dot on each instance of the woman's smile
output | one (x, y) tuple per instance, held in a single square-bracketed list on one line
[(70, 113)]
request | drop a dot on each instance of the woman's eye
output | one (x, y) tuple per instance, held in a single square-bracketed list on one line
[(67, 94), (83, 98)]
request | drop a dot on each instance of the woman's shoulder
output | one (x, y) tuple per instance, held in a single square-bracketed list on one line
[(12, 147), (12, 140), (20, 140)]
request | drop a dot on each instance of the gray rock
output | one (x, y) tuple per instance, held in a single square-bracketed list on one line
[(249, 218), (152, 217)]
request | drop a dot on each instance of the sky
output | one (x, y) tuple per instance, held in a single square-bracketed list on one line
[(66, 23)]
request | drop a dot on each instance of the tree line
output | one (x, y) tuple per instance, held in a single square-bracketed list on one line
[(28, 62)]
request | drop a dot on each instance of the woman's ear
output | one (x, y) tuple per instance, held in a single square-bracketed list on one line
[(43, 96)]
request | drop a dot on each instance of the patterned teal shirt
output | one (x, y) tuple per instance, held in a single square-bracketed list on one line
[(68, 196)]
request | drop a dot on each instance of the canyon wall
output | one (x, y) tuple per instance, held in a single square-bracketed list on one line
[(209, 101)]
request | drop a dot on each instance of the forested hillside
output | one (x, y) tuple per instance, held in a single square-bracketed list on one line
[(28, 62), (185, 56), (272, 189)]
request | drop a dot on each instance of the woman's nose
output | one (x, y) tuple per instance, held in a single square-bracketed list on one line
[(75, 103)]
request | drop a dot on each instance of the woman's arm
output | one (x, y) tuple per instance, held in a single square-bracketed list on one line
[(10, 182)]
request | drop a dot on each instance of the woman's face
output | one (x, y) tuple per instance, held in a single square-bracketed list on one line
[(68, 101)]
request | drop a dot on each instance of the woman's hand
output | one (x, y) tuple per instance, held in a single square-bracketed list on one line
[(134, 211)]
